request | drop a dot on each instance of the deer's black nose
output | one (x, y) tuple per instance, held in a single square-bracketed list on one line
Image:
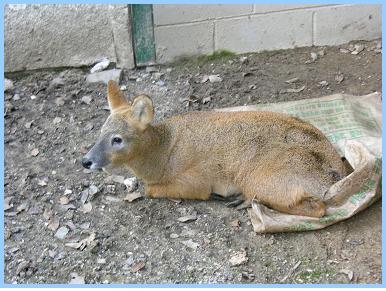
[(86, 163)]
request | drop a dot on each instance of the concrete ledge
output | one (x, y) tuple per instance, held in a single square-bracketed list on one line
[(264, 32), (46, 36), (337, 25)]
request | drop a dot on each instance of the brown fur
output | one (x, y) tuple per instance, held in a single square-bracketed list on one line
[(277, 159)]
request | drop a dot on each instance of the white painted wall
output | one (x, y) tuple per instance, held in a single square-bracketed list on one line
[(183, 30)]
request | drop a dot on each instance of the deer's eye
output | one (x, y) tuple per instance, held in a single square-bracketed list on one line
[(116, 140)]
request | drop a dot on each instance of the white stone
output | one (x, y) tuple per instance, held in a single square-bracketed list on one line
[(104, 76)]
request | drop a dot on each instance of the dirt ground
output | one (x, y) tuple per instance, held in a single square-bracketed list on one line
[(143, 241)]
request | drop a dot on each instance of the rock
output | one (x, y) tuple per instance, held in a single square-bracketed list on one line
[(118, 179), (104, 76), (151, 69), (16, 97), (8, 85), (244, 60), (61, 232), (188, 218), (323, 83), (59, 101), (157, 75), (86, 99), (132, 196), (190, 244), (103, 64), (131, 183), (57, 120), (160, 83), (357, 49), (33, 97), (56, 83), (174, 235), (215, 78), (238, 258), (76, 279), (34, 152), (123, 88), (345, 51)]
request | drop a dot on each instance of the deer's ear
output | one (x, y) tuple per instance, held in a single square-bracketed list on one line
[(115, 96), (142, 109)]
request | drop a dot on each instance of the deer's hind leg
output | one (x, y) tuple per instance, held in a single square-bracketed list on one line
[(287, 184)]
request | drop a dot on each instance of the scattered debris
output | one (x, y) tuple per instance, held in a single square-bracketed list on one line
[(293, 90), (131, 184), (293, 269), (123, 88), (104, 76), (110, 189), (8, 85), (43, 181), (34, 152), (188, 218), (191, 244), (174, 235), (76, 279), (33, 97), (358, 48), (293, 80), (238, 258), (67, 192), (86, 99), (62, 232), (100, 66), (349, 273), (138, 266)]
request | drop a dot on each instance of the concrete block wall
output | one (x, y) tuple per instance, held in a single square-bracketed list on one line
[(47, 36), (183, 30)]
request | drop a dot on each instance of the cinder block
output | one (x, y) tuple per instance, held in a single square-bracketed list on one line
[(264, 32), (264, 8), (183, 40), (337, 25), (182, 13)]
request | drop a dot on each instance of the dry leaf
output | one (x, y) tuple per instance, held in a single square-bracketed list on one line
[(238, 258), (132, 196), (34, 152), (138, 266)]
